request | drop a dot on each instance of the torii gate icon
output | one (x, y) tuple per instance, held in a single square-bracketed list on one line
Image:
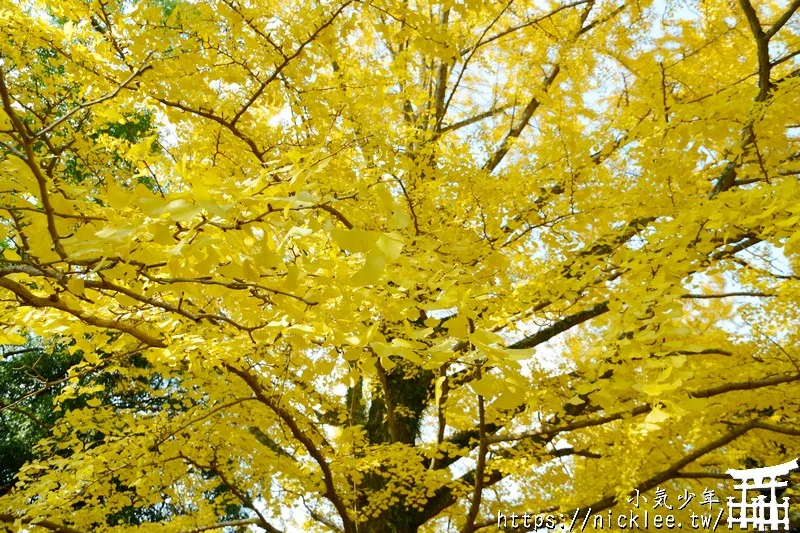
[(760, 512)]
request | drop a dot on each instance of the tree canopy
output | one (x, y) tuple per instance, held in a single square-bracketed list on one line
[(392, 265)]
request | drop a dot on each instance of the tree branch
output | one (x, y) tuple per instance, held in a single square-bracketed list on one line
[(442, 105), (287, 59), (54, 302), (727, 178), (475, 502), (523, 25), (477, 118), (762, 47), (516, 130), (782, 20), (669, 473), (246, 501), (47, 524), (545, 334), (221, 525), (91, 103), (330, 487), (30, 161), (727, 295), (646, 408), (391, 420), (24, 412), (200, 112)]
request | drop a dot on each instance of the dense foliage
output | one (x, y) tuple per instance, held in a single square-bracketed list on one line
[(392, 265)]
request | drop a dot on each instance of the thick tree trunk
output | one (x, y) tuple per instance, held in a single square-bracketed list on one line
[(409, 390)]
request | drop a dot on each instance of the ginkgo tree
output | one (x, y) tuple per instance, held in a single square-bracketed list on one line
[(397, 265)]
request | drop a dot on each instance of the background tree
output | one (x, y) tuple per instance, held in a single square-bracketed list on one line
[(397, 266)]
